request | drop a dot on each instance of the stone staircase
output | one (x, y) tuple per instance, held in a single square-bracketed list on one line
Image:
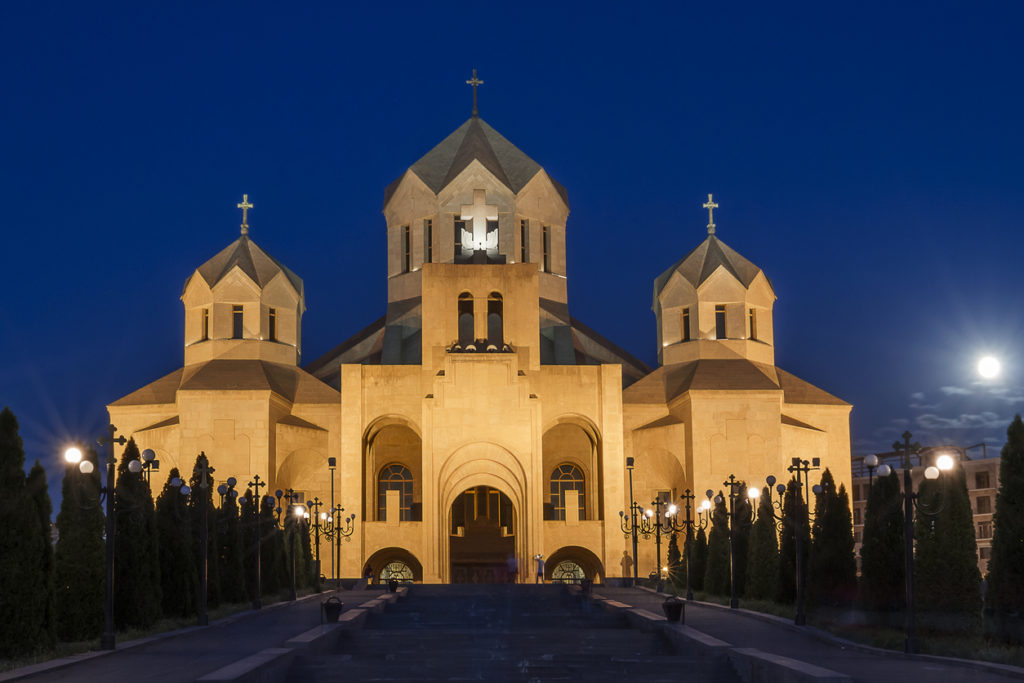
[(502, 632)]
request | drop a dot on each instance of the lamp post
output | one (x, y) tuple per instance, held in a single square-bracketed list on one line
[(801, 470), (734, 486), (334, 530), (313, 512), (73, 456), (332, 463), (254, 496), (689, 526), (203, 471), (293, 515), (629, 527)]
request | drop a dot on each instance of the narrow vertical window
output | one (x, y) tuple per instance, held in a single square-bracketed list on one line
[(546, 239), (720, 321), (465, 318), (236, 322), (428, 241), (272, 324), (524, 241), (206, 324), (495, 325), (460, 228), (686, 324), (753, 324), (406, 250)]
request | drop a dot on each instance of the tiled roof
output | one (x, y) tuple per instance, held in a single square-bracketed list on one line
[(475, 139), (705, 259), (253, 261)]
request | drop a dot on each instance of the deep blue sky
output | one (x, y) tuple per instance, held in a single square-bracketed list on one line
[(869, 157)]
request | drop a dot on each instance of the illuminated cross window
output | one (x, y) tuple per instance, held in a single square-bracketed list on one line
[(480, 214)]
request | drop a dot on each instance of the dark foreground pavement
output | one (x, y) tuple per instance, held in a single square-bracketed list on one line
[(195, 652), (782, 638)]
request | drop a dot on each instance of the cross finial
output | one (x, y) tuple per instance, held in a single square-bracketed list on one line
[(711, 206), (244, 205), (474, 82)]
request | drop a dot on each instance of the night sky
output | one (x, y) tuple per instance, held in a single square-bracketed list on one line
[(869, 157)]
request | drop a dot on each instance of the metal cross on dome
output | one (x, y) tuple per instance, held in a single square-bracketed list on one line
[(711, 206), (479, 212), (244, 205), (474, 82)]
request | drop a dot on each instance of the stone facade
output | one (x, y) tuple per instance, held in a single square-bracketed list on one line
[(477, 419)]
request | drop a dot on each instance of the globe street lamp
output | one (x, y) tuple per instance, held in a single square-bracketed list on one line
[(73, 456), (253, 497), (313, 512), (690, 526), (335, 528), (801, 469), (293, 517), (203, 471), (629, 527)]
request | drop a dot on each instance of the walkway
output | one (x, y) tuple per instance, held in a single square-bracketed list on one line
[(198, 651), (743, 630)]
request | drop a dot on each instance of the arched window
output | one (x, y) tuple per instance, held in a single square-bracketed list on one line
[(398, 570), (395, 477), (567, 477), (567, 571), (495, 324), (465, 318)]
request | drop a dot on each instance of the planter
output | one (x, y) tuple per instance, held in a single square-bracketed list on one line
[(332, 609), (392, 585), (674, 610)]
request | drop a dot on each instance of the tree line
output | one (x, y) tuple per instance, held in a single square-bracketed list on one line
[(53, 592)]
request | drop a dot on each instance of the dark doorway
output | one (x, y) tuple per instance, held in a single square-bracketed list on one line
[(482, 536)]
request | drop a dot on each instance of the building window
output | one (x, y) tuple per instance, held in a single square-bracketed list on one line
[(856, 515), (981, 480), (495, 323), (984, 505), (686, 324), (566, 477), (720, 321), (753, 324), (206, 324), (985, 553), (984, 529), (546, 242), (428, 240), (272, 324), (524, 241), (236, 322), (857, 535), (466, 318), (460, 230), (395, 477), (406, 250)]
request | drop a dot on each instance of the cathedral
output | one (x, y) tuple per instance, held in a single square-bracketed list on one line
[(476, 420)]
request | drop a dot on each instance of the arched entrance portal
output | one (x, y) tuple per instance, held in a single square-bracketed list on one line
[(482, 536)]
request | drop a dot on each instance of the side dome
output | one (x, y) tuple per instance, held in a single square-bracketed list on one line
[(714, 303)]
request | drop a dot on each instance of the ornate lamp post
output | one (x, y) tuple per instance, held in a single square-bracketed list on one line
[(734, 487), (203, 471), (253, 495), (73, 456), (313, 512), (332, 463), (337, 528), (689, 526), (293, 516), (801, 469), (629, 526)]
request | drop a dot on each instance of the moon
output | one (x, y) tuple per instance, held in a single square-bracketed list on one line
[(988, 367)]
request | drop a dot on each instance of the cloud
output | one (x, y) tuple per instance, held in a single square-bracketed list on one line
[(917, 396), (983, 420), (958, 391)]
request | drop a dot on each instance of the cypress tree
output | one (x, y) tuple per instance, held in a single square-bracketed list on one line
[(794, 515), (203, 496), (273, 570), (763, 553), (247, 527), (946, 576), (698, 560), (1005, 595), (306, 556), (229, 549), (742, 513), (177, 563), (882, 561), (23, 586), (137, 597), (674, 560), (37, 489), (80, 555), (716, 573), (832, 575)]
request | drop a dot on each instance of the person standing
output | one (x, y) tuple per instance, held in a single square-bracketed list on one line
[(539, 559), (513, 567)]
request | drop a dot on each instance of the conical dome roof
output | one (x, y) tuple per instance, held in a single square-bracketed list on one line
[(705, 259), (251, 259), (474, 139)]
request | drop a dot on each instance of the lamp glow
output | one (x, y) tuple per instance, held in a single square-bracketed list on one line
[(672, 509), (753, 493), (73, 455), (85, 467), (944, 462), (989, 367), (931, 472), (705, 505)]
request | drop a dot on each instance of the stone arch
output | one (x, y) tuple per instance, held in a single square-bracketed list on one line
[(378, 560), (575, 439), (306, 470), (390, 439), (586, 559)]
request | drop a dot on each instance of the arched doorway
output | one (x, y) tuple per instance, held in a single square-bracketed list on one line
[(482, 536)]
